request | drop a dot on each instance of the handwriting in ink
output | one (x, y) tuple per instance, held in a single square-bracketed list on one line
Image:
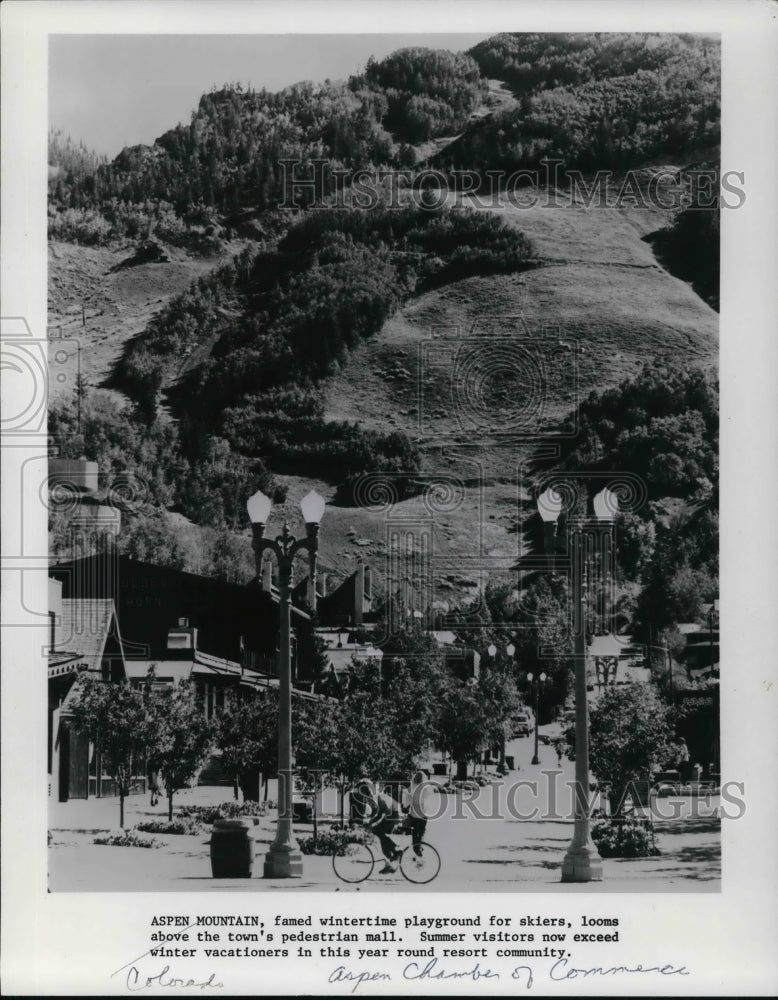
[(412, 971), (559, 973), (136, 981), (341, 974)]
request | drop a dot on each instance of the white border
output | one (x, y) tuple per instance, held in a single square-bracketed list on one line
[(60, 944)]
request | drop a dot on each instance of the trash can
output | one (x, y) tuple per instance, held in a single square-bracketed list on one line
[(440, 769), (510, 763), (232, 848)]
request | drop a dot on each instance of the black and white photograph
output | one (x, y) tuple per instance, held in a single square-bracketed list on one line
[(365, 518)]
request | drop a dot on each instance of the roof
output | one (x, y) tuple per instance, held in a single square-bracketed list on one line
[(203, 665), (176, 576), (61, 663), (86, 625)]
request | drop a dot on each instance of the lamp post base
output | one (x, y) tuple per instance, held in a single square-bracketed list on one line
[(535, 759), (283, 864), (582, 864)]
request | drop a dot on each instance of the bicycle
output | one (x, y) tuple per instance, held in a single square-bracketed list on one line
[(354, 862)]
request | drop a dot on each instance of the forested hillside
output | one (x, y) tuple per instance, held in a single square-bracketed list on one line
[(228, 157), (243, 350), (293, 356), (594, 101)]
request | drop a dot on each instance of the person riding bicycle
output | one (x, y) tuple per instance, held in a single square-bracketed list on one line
[(422, 806), (382, 813)]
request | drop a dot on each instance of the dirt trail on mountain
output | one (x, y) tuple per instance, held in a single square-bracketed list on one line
[(98, 308)]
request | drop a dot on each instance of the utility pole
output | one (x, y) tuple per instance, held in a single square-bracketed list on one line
[(79, 388)]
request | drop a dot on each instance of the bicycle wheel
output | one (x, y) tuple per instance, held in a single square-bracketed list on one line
[(353, 862), (420, 864)]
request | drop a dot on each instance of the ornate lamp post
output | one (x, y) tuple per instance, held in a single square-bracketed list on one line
[(536, 682), (510, 650), (284, 859), (582, 863)]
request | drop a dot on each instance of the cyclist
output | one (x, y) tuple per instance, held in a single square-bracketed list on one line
[(382, 814), (421, 808)]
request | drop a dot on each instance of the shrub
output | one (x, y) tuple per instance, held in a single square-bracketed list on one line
[(127, 839), (629, 839), (225, 810), (332, 840), (190, 828)]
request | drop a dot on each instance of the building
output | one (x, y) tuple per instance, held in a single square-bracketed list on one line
[(234, 623), (84, 638), (349, 604), (221, 636)]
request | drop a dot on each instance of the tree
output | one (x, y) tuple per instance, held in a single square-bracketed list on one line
[(630, 733), (315, 734), (461, 730), (116, 719), (180, 737), (247, 735), (383, 723)]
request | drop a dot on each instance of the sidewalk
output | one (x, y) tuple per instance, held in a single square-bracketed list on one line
[(492, 855)]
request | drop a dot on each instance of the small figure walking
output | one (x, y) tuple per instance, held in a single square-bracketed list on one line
[(683, 760), (154, 787)]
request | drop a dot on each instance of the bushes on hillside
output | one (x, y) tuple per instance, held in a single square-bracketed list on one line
[(257, 336), (594, 101), (426, 92)]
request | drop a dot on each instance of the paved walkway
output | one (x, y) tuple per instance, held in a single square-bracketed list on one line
[(484, 843)]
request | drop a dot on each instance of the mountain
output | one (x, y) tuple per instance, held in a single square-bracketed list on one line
[(436, 336)]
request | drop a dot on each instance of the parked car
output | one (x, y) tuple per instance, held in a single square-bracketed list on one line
[(522, 724)]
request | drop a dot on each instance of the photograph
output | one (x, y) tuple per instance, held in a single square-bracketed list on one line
[(361, 445), (383, 428)]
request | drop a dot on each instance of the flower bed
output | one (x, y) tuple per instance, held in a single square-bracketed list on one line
[(225, 810), (331, 840), (186, 827), (127, 839), (626, 838)]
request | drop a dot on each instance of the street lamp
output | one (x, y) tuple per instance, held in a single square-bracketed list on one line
[(510, 649), (582, 863), (542, 680), (284, 859)]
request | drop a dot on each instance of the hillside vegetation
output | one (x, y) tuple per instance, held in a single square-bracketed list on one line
[(594, 101), (243, 350), (260, 347)]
